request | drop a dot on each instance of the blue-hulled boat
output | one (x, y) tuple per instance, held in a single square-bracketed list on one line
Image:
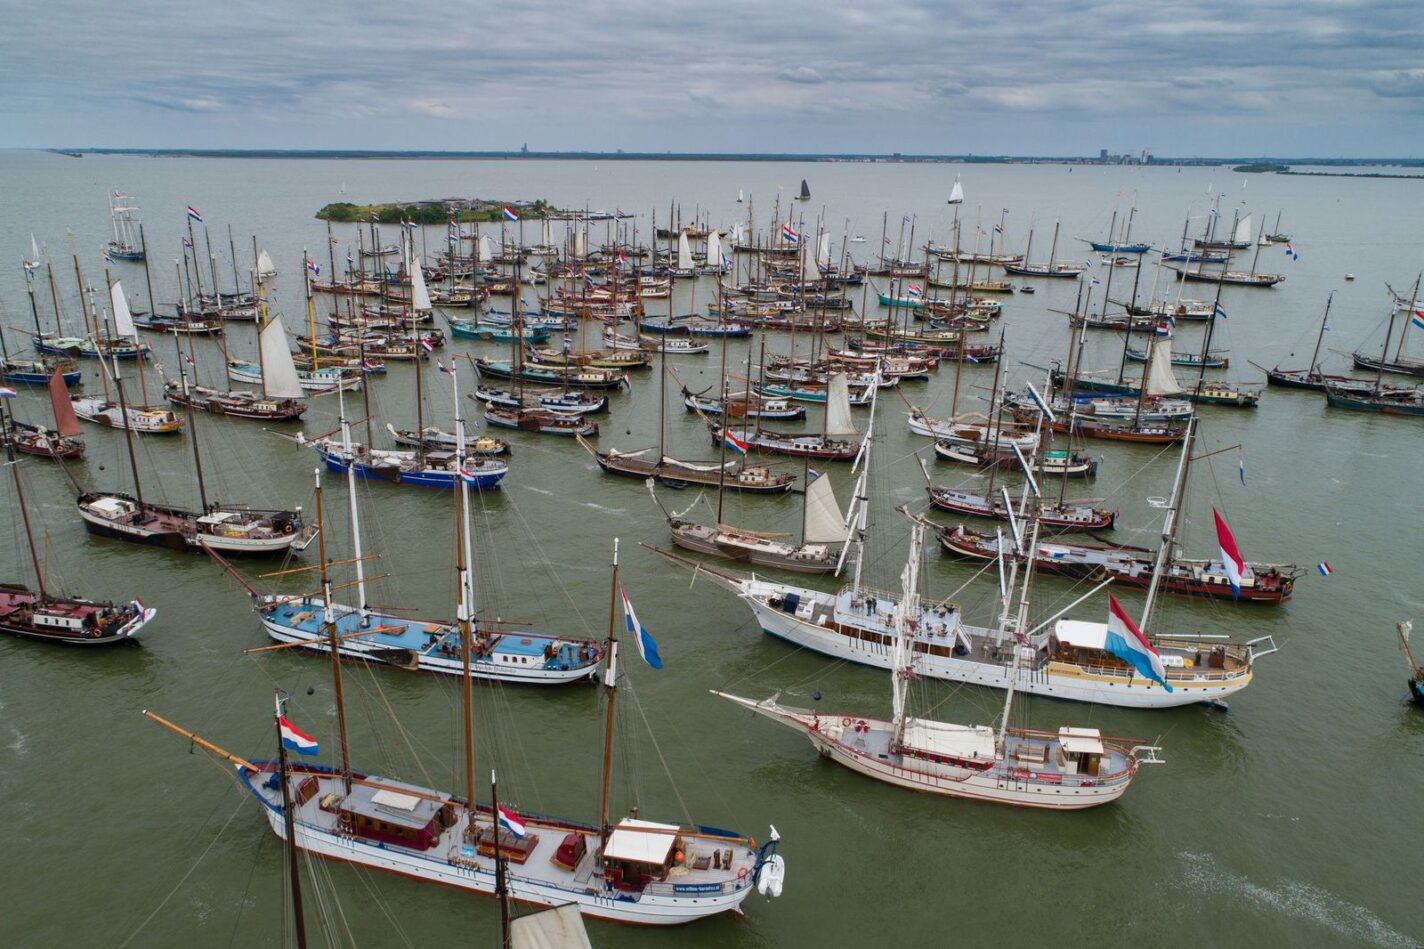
[(37, 372), (426, 469), (497, 332), (1109, 247)]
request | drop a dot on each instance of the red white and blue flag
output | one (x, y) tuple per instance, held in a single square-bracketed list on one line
[(314, 267), (914, 290), (647, 646), (1230, 555), (509, 214), (789, 234), (426, 344), (735, 443), (187, 243), (1163, 329), (1291, 252), (294, 739), (194, 215), (7, 393), (812, 474), (1417, 320), (511, 822), (1324, 568), (1127, 642)]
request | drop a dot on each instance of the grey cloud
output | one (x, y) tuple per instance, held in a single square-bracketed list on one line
[(802, 74)]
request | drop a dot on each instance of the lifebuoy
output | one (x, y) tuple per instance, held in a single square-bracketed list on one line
[(287, 528), (742, 874), (845, 723)]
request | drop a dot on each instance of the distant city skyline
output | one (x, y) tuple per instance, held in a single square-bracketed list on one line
[(1308, 78)]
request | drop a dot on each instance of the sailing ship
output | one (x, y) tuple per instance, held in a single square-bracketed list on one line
[(103, 410), (805, 194), (1416, 671), (956, 194), (1068, 769), (630, 870), (59, 443), (833, 443), (41, 614), (125, 244), (1313, 378), (1059, 657), (1053, 268), (1399, 363)]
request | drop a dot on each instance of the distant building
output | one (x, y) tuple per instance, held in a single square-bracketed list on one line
[(1102, 154), (524, 149)]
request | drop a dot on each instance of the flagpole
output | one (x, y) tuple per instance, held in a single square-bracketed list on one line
[(289, 821), (501, 890), (610, 688)]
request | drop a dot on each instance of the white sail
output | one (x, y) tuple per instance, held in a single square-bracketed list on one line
[(823, 252), (580, 241), (264, 264), (558, 928), (546, 234), (838, 420), (738, 233), (486, 249), (684, 252), (739, 196), (420, 297), (825, 524), (123, 319), (279, 373), (714, 249), (1160, 379), (956, 195), (1243, 230)]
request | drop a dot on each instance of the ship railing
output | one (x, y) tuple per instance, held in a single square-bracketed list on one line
[(1265, 650)]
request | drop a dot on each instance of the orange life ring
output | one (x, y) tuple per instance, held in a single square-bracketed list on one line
[(287, 528)]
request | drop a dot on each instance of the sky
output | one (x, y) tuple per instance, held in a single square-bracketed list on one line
[(1209, 78)]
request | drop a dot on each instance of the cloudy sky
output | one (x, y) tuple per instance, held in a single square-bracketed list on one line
[(1207, 78)]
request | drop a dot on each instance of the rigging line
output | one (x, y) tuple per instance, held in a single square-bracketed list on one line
[(362, 874), (658, 748), (247, 888), (177, 886)]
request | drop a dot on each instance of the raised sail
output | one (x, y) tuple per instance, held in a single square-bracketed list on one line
[(265, 267), (279, 373), (825, 524), (823, 252), (65, 421), (1243, 231), (1160, 379), (684, 253), (486, 249), (956, 194), (420, 297), (123, 319), (714, 249), (838, 420)]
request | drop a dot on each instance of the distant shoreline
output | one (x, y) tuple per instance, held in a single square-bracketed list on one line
[(431, 154)]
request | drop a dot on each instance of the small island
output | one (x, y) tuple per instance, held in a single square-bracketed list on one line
[(1261, 168), (436, 211)]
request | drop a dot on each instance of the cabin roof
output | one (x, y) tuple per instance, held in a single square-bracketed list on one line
[(1072, 632), (405, 805), (640, 841), (1081, 740), (943, 738)]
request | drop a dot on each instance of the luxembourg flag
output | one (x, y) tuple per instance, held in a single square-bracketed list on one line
[(194, 215), (294, 739), (647, 646), (1126, 641), (509, 214), (789, 234), (735, 443), (511, 822), (1230, 555)]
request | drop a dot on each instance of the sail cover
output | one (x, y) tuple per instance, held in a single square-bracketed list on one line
[(123, 319), (1160, 379), (824, 522), (279, 373), (838, 420), (420, 297)]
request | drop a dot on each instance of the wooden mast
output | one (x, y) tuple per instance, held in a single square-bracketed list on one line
[(501, 889), (465, 606), (289, 819), (610, 688), (20, 501), (329, 622)]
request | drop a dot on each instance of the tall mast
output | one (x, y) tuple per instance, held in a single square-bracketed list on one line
[(192, 424), (349, 457), (1320, 337), (909, 606), (20, 500), (290, 821), (329, 621), (147, 276), (501, 889), (1169, 525), (232, 249), (54, 295), (464, 610), (610, 689), (34, 308)]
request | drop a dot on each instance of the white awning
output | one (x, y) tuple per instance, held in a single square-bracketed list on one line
[(640, 841), (1082, 634), (1083, 741)]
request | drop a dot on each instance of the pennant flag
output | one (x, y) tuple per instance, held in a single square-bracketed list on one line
[(1230, 555), (1220, 311), (511, 822), (647, 646), (735, 443), (789, 234), (1417, 320), (1126, 641), (194, 215), (294, 739), (1291, 252), (1095, 282), (998, 228), (509, 214), (1324, 568), (914, 290), (440, 364)]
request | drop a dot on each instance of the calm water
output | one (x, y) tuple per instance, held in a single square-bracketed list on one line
[(1293, 817)]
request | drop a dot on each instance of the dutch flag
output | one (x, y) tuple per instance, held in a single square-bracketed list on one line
[(789, 234), (914, 290), (426, 344), (294, 739), (511, 822), (1417, 319), (1324, 568), (1127, 642), (509, 214), (193, 214), (647, 646), (735, 443), (1230, 555), (314, 267), (812, 474)]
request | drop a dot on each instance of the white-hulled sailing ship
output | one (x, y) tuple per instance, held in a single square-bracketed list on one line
[(1070, 769)]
